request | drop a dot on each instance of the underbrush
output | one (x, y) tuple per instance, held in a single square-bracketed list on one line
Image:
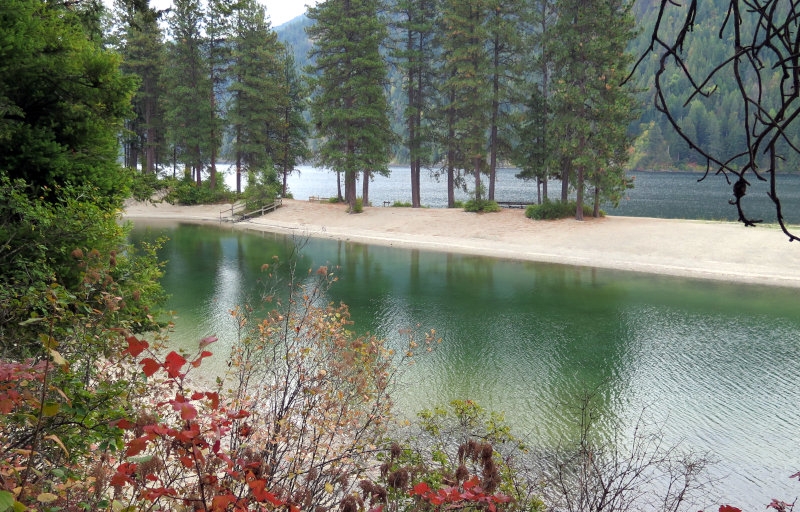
[(481, 206), (551, 210)]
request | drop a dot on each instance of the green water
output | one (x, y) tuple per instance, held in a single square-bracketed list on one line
[(716, 364)]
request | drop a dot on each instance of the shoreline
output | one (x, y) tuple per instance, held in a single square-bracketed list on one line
[(722, 251)]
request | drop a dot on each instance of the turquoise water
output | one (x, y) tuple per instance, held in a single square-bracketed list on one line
[(715, 364)]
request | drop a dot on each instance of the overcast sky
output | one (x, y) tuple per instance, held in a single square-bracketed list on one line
[(279, 11)]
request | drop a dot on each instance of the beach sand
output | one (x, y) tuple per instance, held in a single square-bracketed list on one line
[(698, 249)]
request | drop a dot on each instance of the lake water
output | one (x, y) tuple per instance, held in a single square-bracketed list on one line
[(716, 364), (655, 194)]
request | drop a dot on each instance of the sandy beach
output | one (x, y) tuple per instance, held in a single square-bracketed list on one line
[(699, 249)]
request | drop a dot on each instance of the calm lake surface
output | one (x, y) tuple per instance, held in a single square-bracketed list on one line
[(717, 365), (655, 194)]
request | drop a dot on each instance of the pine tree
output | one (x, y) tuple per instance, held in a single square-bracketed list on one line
[(413, 54), (466, 64), (188, 87), (505, 49), (218, 34), (256, 94), (291, 147), (349, 106), (592, 111), (139, 40)]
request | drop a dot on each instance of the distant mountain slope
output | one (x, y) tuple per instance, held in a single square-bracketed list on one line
[(293, 34)]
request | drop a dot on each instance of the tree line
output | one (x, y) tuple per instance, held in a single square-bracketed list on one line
[(211, 76), (484, 82)]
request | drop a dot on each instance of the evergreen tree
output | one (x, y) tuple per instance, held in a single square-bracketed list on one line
[(349, 106), (62, 101), (293, 131), (188, 85), (413, 54), (139, 40), (534, 149), (505, 47), (256, 94), (218, 35), (592, 111), (465, 62)]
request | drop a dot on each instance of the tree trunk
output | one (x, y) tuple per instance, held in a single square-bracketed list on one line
[(339, 186), (238, 172), (596, 211), (411, 121), (365, 189), (565, 172), (579, 196), (544, 189), (477, 163), (350, 189), (495, 109)]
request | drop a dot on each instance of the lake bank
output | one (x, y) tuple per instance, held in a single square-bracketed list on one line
[(697, 249)]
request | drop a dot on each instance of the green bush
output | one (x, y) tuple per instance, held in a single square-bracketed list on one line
[(262, 188), (401, 204), (485, 206), (458, 204), (359, 207), (186, 192), (550, 210), (333, 200), (143, 186)]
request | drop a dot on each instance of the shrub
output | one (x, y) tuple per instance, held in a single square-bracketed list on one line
[(359, 206), (144, 186), (186, 192), (262, 188), (551, 210), (401, 204), (334, 200), (483, 205)]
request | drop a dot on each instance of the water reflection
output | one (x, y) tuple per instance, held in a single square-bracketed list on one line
[(716, 363)]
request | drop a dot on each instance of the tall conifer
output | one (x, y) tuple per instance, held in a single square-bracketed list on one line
[(188, 85), (414, 54), (466, 66), (592, 110), (256, 94), (349, 106)]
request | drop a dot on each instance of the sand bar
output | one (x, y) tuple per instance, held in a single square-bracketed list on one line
[(699, 249)]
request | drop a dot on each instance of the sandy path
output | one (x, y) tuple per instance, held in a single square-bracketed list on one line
[(711, 250)]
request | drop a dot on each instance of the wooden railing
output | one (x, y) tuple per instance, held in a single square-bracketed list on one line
[(236, 213)]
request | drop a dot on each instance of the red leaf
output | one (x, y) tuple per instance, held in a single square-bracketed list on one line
[(118, 480), (379, 508), (221, 502), (135, 345), (123, 424), (728, 508), (197, 395), (207, 341), (214, 397), (796, 475), (472, 482), (149, 366), (173, 363), (419, 489), (188, 412), (186, 461), (136, 446), (199, 360)]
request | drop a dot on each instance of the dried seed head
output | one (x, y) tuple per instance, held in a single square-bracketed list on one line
[(462, 473), (398, 479), (395, 450)]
